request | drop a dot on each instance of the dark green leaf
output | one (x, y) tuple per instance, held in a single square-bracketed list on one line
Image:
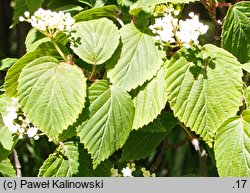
[(141, 144)]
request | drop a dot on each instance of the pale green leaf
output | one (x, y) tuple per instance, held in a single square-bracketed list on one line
[(149, 100), (70, 159), (204, 88), (141, 144), (11, 79), (247, 95), (236, 31), (51, 94), (140, 4), (6, 63), (110, 122), (139, 61), (232, 146), (7, 169), (246, 67), (33, 39), (7, 141), (6, 138), (63, 163), (95, 41)]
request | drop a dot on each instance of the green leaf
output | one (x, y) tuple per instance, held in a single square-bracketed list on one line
[(33, 39), (149, 100), (93, 3), (236, 31), (141, 144), (140, 4), (110, 122), (19, 9), (246, 67), (72, 9), (164, 122), (51, 94), (139, 61), (204, 88), (63, 163), (7, 141), (155, 126), (25, 5), (34, 5), (95, 40), (6, 137), (6, 63), (70, 160), (110, 11), (247, 95), (232, 146), (11, 79), (7, 169)]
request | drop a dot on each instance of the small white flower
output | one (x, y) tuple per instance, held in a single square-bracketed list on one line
[(27, 14), (20, 136), (191, 14), (21, 130), (127, 172), (176, 12), (21, 18), (36, 137), (32, 131), (196, 144)]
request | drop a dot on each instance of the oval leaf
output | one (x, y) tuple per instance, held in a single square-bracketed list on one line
[(139, 61), (95, 41), (236, 31), (11, 79), (109, 125), (232, 146), (63, 163), (52, 95), (149, 100), (204, 89)]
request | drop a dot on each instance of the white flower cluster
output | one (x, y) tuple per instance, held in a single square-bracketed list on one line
[(11, 118), (49, 22), (170, 30)]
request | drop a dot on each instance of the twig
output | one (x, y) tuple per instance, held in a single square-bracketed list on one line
[(163, 149), (17, 164), (160, 156), (203, 162), (212, 12)]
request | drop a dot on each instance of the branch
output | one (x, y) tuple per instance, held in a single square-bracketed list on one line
[(160, 156), (17, 164)]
